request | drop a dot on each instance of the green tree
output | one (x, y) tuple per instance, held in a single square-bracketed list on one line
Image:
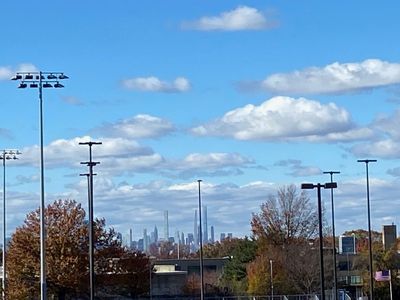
[(239, 253), (66, 252)]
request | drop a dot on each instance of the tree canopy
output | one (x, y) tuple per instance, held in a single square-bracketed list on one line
[(67, 254), (284, 230)]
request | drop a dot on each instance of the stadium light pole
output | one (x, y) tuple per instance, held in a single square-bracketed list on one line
[(90, 164), (201, 247), (371, 274), (310, 186), (333, 236), (41, 80), (5, 155)]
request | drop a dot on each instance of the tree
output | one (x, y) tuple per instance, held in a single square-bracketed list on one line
[(285, 217), (66, 252), (239, 253), (284, 231)]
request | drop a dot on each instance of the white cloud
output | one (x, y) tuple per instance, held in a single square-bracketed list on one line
[(241, 18), (284, 118), (7, 72), (196, 165), (335, 78), (389, 125), (120, 156), (387, 141), (297, 169), (139, 126), (153, 84), (387, 148), (68, 153)]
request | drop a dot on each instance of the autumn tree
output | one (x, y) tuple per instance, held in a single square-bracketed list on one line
[(66, 253), (284, 229)]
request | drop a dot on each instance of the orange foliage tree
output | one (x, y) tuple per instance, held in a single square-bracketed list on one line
[(66, 254)]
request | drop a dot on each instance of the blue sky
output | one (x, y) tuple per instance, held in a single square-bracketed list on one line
[(245, 95)]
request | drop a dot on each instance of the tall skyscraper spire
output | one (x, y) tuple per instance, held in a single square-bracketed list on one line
[(130, 238), (205, 227), (166, 228), (155, 234), (195, 231)]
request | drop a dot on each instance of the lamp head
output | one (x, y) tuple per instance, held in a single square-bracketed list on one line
[(307, 186), (330, 185)]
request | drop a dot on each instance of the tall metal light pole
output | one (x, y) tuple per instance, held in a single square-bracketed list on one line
[(310, 186), (41, 80), (5, 155), (371, 273), (91, 164), (333, 236), (201, 247)]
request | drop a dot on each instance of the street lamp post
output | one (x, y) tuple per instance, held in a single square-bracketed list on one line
[(91, 164), (41, 80), (201, 248), (371, 277), (310, 186), (5, 155), (333, 236)]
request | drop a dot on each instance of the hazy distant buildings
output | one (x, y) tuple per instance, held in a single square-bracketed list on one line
[(130, 238), (155, 234), (222, 237), (205, 225), (195, 229), (150, 241), (166, 225)]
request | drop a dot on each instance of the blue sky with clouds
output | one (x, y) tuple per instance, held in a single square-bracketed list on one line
[(247, 96)]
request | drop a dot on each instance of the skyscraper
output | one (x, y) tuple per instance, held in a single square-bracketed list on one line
[(195, 232), (212, 235), (130, 238), (145, 241), (166, 228), (155, 234), (205, 228)]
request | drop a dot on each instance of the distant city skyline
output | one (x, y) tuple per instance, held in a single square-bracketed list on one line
[(247, 96)]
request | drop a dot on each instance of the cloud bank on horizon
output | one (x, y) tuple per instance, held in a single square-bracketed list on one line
[(309, 119)]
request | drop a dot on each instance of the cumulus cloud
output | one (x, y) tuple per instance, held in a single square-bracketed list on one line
[(68, 153), (285, 118), (209, 164), (139, 126), (298, 169), (6, 72), (154, 84), (386, 143), (335, 78), (241, 18), (387, 148), (121, 156)]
